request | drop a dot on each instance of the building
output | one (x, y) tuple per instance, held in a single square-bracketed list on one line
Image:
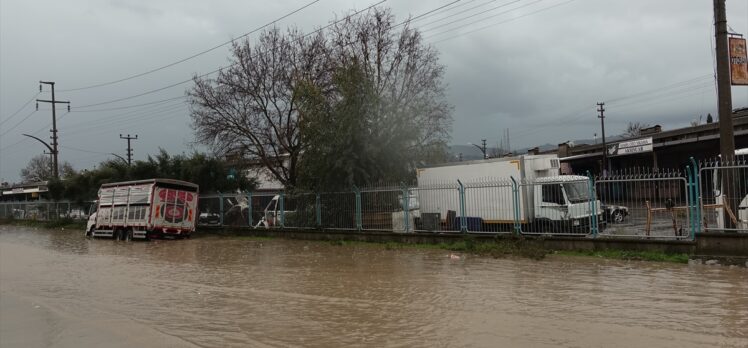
[(24, 192), (654, 149)]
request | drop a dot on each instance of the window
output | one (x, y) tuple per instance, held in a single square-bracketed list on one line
[(578, 192), (552, 194)]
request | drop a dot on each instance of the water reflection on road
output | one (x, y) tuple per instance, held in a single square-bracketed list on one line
[(231, 291)]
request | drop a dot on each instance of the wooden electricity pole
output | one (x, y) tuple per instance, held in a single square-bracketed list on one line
[(601, 109), (724, 108), (724, 92), (129, 147), (55, 151)]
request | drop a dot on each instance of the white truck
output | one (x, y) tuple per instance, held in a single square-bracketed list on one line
[(144, 209), (547, 201)]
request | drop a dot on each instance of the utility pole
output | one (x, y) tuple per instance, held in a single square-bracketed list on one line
[(724, 104), (54, 103), (129, 147), (485, 154), (601, 110), (724, 92)]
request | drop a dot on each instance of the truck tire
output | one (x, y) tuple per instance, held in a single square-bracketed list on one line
[(127, 235), (617, 216)]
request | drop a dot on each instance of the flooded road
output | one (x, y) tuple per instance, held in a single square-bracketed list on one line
[(60, 289)]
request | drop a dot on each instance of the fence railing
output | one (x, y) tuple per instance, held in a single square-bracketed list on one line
[(45, 210), (723, 195), (707, 196)]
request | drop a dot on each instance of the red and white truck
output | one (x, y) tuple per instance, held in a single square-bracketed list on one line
[(144, 209)]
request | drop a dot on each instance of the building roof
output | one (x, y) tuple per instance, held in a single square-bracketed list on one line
[(692, 134)]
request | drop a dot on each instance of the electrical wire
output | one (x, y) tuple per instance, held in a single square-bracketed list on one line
[(194, 55), (221, 68), (484, 12), (131, 106), (20, 109), (654, 90), (18, 124), (458, 13), (497, 23)]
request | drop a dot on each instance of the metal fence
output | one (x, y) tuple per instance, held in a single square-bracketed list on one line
[(723, 195), (45, 210), (652, 204), (707, 196)]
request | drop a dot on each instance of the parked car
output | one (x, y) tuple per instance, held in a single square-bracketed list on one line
[(615, 214), (208, 218), (77, 214)]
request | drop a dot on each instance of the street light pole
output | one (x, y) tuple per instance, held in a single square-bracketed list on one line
[(120, 157), (481, 148), (51, 152)]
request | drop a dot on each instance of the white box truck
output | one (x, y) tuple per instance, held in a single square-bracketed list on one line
[(144, 209), (548, 201)]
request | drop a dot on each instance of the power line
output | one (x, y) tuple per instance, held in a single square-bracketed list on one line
[(458, 13), (676, 84), (82, 150), (447, 9), (126, 121), (19, 109), (484, 12), (194, 55), (19, 123), (570, 118), (664, 94), (221, 68), (497, 23), (131, 106)]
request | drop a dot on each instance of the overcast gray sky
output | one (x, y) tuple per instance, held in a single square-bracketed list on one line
[(536, 67)]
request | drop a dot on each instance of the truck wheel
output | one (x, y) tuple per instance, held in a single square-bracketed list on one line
[(89, 233), (127, 235), (617, 217), (115, 234)]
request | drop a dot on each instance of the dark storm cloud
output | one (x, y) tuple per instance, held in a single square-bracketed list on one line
[(538, 74)]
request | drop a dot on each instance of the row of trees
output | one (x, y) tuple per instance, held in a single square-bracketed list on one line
[(361, 102), (212, 174)]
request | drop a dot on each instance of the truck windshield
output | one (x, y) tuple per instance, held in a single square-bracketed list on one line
[(577, 192)]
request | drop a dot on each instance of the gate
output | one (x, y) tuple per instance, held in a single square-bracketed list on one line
[(649, 205), (723, 195)]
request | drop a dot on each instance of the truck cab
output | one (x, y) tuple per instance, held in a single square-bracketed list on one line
[(564, 202)]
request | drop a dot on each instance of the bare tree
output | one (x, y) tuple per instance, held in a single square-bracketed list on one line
[(250, 107), (406, 72), (634, 129), (39, 168)]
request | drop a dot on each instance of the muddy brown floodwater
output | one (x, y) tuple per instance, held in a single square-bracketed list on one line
[(59, 289)]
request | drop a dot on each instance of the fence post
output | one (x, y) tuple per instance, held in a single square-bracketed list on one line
[(463, 219), (220, 207), (593, 208), (697, 196), (406, 208), (282, 202), (515, 206), (318, 210), (357, 193), (249, 208), (691, 201)]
